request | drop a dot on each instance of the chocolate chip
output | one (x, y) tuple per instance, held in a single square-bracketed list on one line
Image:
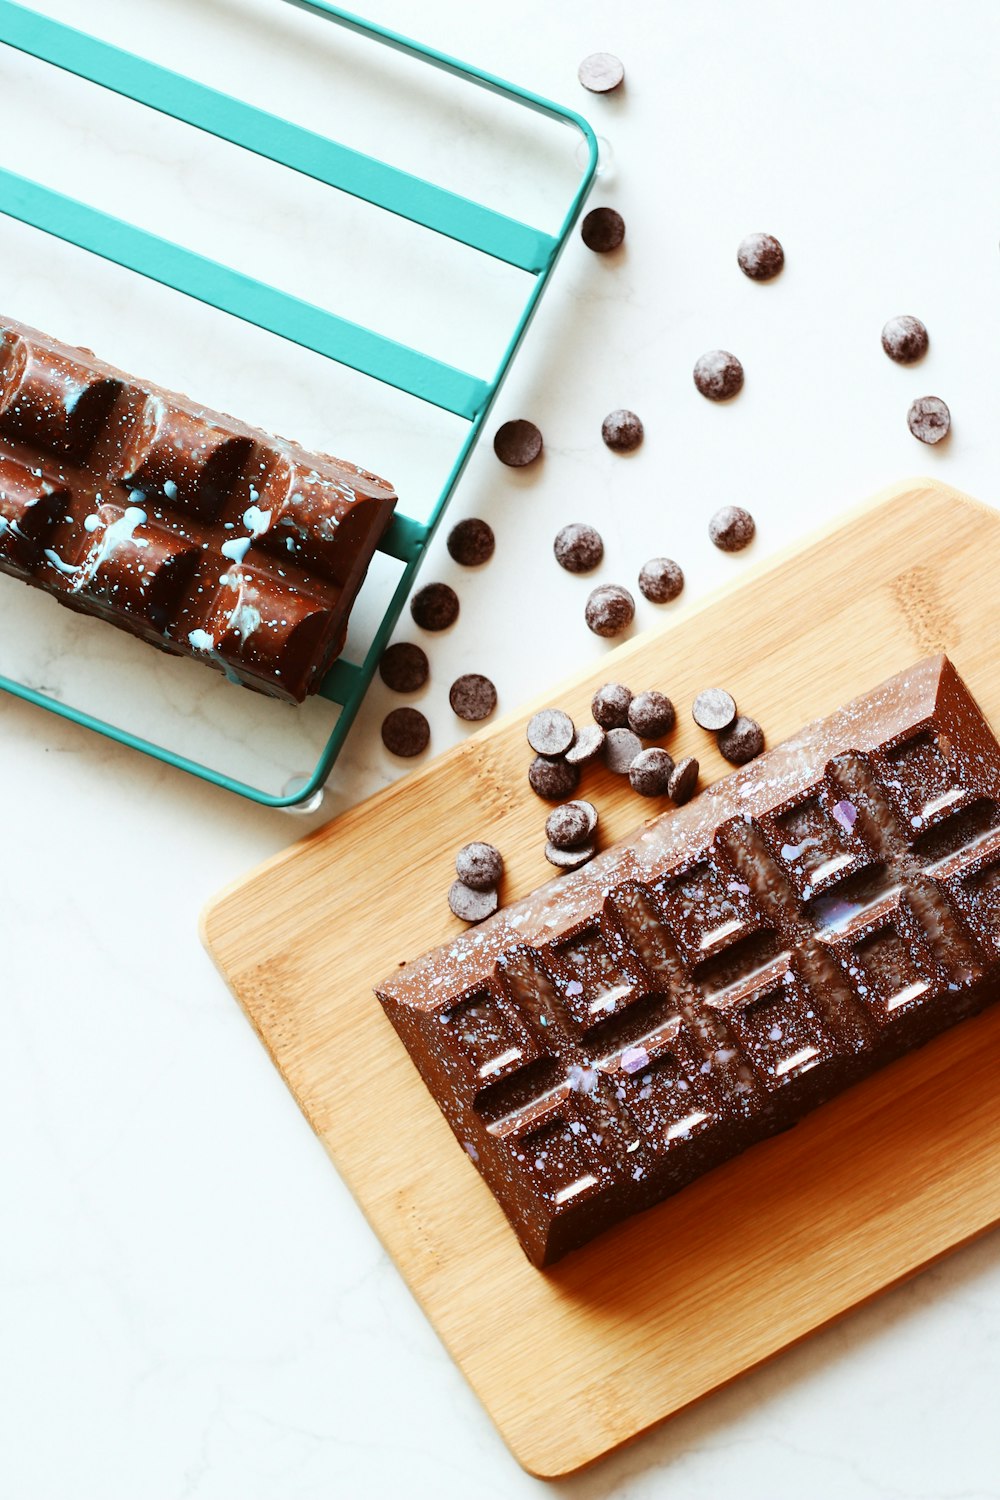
[(473, 697), (714, 709), (554, 780), (587, 745), (517, 443), (683, 780), (660, 580), (550, 731), (404, 667), (571, 825), (651, 715), (649, 774), (602, 230), (471, 542), (718, 375), (610, 705), (621, 746), (760, 256), (905, 339), (405, 732), (609, 610), (569, 859), (622, 431), (741, 741), (601, 72), (479, 865), (471, 906), (435, 606), (732, 528), (929, 419), (578, 548)]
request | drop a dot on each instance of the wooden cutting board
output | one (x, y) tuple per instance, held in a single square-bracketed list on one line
[(872, 1187)]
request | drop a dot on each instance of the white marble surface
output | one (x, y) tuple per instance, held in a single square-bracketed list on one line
[(190, 1302)]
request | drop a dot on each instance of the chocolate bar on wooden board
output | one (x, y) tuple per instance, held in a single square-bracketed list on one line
[(736, 962), (187, 528)]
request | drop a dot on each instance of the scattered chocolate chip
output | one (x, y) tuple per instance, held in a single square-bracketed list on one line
[(610, 609), (405, 732), (550, 732), (714, 709), (555, 780), (471, 906), (732, 528), (905, 339), (517, 443), (601, 72), (718, 375), (621, 746), (610, 705), (660, 580), (479, 865), (569, 859), (404, 667), (471, 542), (435, 606), (650, 772), (741, 741), (929, 419), (683, 780), (651, 715), (571, 824), (473, 697), (602, 230), (578, 548), (760, 256), (587, 745), (622, 431)]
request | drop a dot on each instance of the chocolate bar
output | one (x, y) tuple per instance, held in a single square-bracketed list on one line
[(187, 528), (735, 963)]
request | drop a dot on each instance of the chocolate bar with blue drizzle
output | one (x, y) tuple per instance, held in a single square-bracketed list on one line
[(193, 531), (705, 983)]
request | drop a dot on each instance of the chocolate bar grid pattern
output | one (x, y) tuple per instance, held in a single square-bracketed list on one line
[(203, 536), (616, 1063)]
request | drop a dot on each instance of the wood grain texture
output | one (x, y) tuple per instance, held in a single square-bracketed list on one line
[(873, 1186)]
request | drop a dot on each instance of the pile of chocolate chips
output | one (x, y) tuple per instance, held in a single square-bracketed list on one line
[(474, 895)]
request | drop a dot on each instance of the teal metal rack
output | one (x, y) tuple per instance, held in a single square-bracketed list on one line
[(466, 395)]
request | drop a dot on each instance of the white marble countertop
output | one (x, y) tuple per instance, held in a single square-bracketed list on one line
[(190, 1302)]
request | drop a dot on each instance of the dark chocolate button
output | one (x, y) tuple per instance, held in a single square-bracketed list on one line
[(569, 859), (555, 780), (517, 443), (714, 709), (471, 542), (650, 772), (660, 580), (651, 715), (473, 697), (683, 780), (760, 256), (610, 705), (929, 419), (472, 906), (602, 230), (578, 548), (622, 431), (405, 732), (571, 824), (609, 610), (905, 339), (550, 732), (404, 667), (742, 741), (479, 865), (718, 375), (621, 746), (732, 528), (587, 745), (435, 606), (601, 72)]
